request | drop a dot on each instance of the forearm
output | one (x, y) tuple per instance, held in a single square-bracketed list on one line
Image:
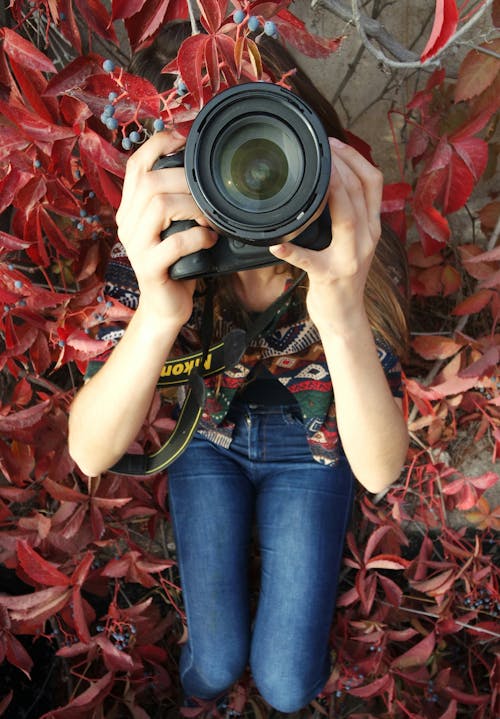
[(371, 425), (108, 412)]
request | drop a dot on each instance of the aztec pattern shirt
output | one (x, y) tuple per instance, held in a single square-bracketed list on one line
[(290, 351)]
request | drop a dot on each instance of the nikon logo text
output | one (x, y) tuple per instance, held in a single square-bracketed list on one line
[(185, 367)]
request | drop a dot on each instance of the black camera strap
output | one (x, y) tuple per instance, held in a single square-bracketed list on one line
[(190, 370)]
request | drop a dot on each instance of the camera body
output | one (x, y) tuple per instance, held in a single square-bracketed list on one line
[(257, 162)]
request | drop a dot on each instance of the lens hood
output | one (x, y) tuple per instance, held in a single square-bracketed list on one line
[(257, 162)]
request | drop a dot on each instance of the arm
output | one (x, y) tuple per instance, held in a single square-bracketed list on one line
[(110, 409), (370, 421)]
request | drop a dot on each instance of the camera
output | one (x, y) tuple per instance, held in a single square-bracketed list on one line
[(257, 163)]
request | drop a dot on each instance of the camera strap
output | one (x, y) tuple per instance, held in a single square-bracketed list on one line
[(190, 370)]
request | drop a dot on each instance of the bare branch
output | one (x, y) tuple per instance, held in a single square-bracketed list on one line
[(369, 28)]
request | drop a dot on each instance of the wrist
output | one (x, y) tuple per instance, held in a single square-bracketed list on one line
[(155, 324)]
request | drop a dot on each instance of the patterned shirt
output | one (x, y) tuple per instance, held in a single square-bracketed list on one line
[(290, 351)]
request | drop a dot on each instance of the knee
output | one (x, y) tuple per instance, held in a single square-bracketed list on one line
[(285, 689), (208, 677)]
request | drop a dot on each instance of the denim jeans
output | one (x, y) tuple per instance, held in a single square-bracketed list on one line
[(301, 509)]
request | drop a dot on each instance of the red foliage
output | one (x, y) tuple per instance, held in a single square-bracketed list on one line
[(416, 627)]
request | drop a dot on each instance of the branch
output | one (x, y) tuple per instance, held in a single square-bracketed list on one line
[(372, 28), (368, 27)]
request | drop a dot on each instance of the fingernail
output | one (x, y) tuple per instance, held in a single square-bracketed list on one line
[(278, 250), (337, 143)]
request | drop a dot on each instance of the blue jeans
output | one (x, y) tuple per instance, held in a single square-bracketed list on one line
[(301, 509)]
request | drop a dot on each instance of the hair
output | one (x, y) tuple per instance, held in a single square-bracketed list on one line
[(387, 287)]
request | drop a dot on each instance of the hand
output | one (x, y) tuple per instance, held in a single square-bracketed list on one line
[(337, 274), (151, 200)]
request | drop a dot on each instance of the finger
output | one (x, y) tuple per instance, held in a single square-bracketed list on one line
[(347, 200), (183, 243), (161, 143), (370, 177)]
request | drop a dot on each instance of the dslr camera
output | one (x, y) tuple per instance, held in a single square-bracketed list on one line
[(257, 162)]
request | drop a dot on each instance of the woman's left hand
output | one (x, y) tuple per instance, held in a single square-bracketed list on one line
[(337, 274)]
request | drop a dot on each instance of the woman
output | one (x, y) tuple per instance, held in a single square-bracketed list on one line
[(283, 434)]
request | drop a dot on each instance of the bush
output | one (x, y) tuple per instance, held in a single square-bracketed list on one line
[(89, 567)]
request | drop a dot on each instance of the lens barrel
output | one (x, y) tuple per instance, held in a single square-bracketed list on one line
[(257, 162)]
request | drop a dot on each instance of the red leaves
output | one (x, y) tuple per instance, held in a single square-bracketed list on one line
[(477, 72), (445, 24), (24, 52)]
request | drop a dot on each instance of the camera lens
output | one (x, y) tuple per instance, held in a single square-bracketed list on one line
[(258, 169), (257, 163)]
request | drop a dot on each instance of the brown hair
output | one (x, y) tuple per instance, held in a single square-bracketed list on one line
[(386, 292)]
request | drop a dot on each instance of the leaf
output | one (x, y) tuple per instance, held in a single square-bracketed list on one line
[(9, 242), (25, 417), (24, 52), (432, 347), (190, 61), (74, 75), (375, 688), (78, 615), (122, 9), (17, 655), (211, 14), (4, 703), (473, 304), (387, 561), (89, 699), (445, 24), (103, 153), (39, 569), (418, 655), (437, 584), (96, 18), (143, 24), (295, 32), (477, 71)]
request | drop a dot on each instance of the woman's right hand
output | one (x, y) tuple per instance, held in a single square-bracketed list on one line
[(151, 201)]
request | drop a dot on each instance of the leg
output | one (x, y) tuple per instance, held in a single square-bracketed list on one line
[(302, 514), (211, 504)]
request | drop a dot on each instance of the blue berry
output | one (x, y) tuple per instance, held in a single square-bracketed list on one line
[(91, 194), (18, 284), (253, 23), (61, 343), (109, 110), (270, 28), (108, 65), (80, 226), (37, 163), (159, 125), (112, 96), (181, 88), (134, 136), (238, 16), (83, 213), (126, 143), (111, 123)]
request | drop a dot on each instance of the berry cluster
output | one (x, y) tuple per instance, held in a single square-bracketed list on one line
[(254, 23), (484, 601), (122, 634), (108, 118)]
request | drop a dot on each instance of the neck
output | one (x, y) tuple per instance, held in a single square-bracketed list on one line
[(257, 289)]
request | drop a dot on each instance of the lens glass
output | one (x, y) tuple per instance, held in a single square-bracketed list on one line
[(259, 169), (258, 164)]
